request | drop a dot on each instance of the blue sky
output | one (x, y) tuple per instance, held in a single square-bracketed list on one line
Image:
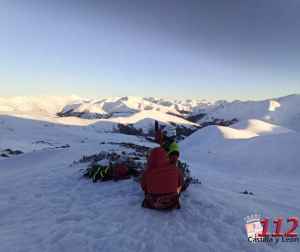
[(184, 49)]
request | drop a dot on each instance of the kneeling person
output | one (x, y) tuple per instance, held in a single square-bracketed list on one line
[(161, 182)]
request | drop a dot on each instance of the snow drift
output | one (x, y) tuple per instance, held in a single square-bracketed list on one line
[(254, 148), (284, 111)]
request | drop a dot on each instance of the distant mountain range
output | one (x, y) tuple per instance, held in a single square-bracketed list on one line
[(140, 112)]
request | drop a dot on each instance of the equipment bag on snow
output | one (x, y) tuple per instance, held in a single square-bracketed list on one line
[(97, 172), (115, 172), (120, 171)]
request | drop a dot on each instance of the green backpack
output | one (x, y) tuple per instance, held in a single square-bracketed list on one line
[(98, 172)]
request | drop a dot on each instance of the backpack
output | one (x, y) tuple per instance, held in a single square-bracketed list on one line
[(98, 172), (120, 171), (113, 172), (104, 173)]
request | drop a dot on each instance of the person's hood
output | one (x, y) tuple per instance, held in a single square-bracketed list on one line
[(173, 148), (158, 158)]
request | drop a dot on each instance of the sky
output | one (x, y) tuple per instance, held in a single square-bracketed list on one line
[(212, 49)]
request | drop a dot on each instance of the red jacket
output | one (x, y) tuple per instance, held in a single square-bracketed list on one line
[(160, 176)]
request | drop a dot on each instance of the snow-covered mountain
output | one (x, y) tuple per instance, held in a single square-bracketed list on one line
[(252, 148), (114, 107), (127, 105), (185, 107), (106, 115), (31, 123), (46, 206), (34, 105), (283, 111)]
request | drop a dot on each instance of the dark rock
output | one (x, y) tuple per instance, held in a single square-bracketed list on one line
[(18, 152), (129, 130), (9, 151), (247, 193), (195, 118), (63, 146), (219, 122), (83, 115)]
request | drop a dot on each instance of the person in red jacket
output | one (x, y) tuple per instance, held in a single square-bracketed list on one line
[(161, 182)]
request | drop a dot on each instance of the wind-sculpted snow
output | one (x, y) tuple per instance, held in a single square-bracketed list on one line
[(30, 134), (284, 111), (46, 206), (260, 127), (259, 149)]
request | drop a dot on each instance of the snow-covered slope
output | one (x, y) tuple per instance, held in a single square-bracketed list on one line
[(284, 111), (119, 106), (27, 134), (145, 120), (260, 127), (30, 135), (34, 105), (45, 204), (137, 112), (183, 106), (254, 148)]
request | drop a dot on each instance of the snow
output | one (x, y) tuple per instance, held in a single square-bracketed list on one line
[(260, 127), (180, 105), (46, 205), (35, 104), (28, 135), (145, 120), (137, 111), (284, 111), (247, 152), (274, 105), (124, 105), (231, 133)]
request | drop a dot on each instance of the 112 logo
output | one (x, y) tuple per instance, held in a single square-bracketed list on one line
[(278, 230), (257, 229)]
